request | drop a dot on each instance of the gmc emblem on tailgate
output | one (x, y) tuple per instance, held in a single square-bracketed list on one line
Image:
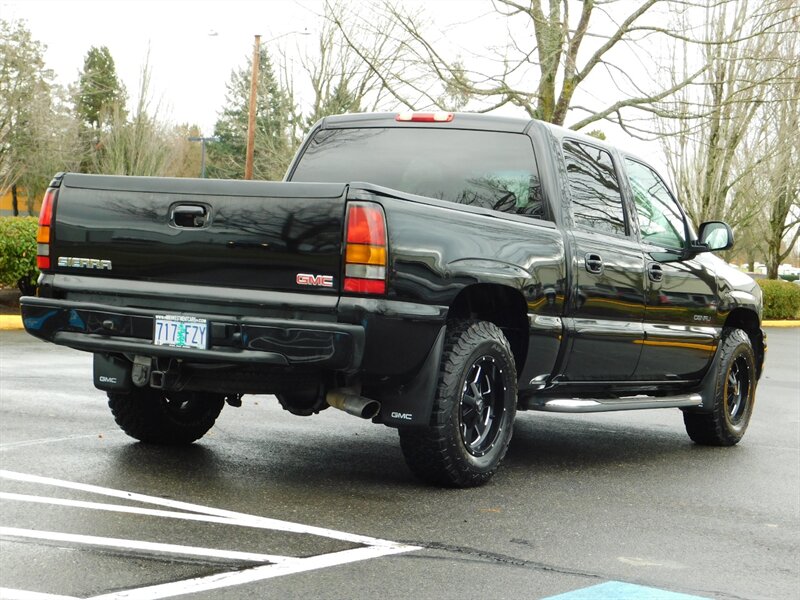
[(316, 280)]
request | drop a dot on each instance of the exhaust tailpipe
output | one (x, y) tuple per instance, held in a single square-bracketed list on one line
[(353, 404)]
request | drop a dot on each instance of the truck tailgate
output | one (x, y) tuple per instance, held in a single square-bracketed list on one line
[(258, 235)]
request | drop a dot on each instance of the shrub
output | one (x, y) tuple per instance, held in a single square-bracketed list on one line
[(18, 252), (781, 299)]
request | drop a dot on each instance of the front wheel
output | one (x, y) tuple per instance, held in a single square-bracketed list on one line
[(171, 418), (734, 394), (473, 411)]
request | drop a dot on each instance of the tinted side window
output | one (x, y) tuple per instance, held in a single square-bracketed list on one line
[(596, 197), (481, 168), (660, 220)]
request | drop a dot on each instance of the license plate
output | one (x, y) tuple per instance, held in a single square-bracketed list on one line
[(180, 331)]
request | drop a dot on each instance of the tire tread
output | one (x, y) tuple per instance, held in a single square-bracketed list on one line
[(432, 453)]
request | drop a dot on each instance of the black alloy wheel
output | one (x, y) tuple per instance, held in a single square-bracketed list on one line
[(738, 390), (481, 403)]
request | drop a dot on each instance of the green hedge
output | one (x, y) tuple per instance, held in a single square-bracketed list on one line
[(781, 299), (18, 252)]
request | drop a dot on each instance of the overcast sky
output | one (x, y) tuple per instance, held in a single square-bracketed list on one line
[(194, 44)]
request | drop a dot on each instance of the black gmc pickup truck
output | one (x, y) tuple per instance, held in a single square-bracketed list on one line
[(490, 265)]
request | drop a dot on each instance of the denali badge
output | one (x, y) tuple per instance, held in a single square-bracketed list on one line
[(84, 263), (317, 280)]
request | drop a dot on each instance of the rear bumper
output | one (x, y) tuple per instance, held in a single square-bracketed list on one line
[(233, 340)]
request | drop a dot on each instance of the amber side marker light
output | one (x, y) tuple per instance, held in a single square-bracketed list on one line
[(365, 255)]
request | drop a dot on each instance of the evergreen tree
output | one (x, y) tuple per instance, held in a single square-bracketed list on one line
[(100, 92), (275, 141)]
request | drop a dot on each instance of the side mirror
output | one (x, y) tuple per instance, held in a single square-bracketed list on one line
[(713, 236)]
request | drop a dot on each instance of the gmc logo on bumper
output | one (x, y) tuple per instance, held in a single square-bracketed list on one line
[(315, 280)]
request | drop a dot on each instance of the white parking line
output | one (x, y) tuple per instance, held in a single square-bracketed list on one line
[(213, 582), (278, 565), (132, 510), (104, 542), (9, 594), (240, 518), (26, 443)]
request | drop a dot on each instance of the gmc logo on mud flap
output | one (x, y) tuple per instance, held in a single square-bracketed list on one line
[(315, 280), (402, 416), (104, 379)]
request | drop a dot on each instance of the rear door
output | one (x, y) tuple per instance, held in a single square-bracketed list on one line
[(607, 304)]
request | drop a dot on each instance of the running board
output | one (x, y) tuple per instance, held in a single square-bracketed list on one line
[(589, 405)]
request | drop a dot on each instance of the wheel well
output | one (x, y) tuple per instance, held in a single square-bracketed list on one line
[(747, 321), (498, 304)]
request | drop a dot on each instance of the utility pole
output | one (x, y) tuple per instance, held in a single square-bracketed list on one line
[(251, 120)]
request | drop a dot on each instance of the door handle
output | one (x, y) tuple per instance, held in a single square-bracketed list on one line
[(594, 263), (655, 272), (189, 215)]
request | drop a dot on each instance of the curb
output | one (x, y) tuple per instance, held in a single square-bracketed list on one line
[(8, 322), (788, 323), (13, 322)]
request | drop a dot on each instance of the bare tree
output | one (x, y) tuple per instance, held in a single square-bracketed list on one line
[(339, 66), (141, 145), (780, 184), (712, 136), (553, 51), (731, 138)]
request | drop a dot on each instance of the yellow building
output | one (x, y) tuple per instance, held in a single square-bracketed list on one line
[(6, 204)]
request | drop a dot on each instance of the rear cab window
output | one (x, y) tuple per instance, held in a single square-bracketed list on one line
[(487, 169)]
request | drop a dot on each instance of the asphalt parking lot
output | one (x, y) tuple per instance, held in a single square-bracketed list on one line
[(268, 505)]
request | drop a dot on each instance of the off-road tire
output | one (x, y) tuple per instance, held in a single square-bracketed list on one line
[(168, 418), (734, 394), (464, 444)]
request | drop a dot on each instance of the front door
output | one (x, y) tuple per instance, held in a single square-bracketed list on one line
[(681, 318)]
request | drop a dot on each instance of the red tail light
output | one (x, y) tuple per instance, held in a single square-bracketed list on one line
[(425, 117), (43, 235), (365, 249)]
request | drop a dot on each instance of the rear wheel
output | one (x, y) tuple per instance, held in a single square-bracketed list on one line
[(473, 412), (158, 417), (734, 395)]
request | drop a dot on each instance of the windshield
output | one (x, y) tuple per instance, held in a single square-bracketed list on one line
[(481, 168)]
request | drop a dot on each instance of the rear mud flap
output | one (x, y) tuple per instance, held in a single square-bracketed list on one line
[(410, 405), (112, 373)]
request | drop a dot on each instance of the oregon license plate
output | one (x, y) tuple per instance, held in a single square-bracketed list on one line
[(180, 331)]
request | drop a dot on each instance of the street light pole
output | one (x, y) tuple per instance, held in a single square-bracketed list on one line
[(251, 117), (203, 140)]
